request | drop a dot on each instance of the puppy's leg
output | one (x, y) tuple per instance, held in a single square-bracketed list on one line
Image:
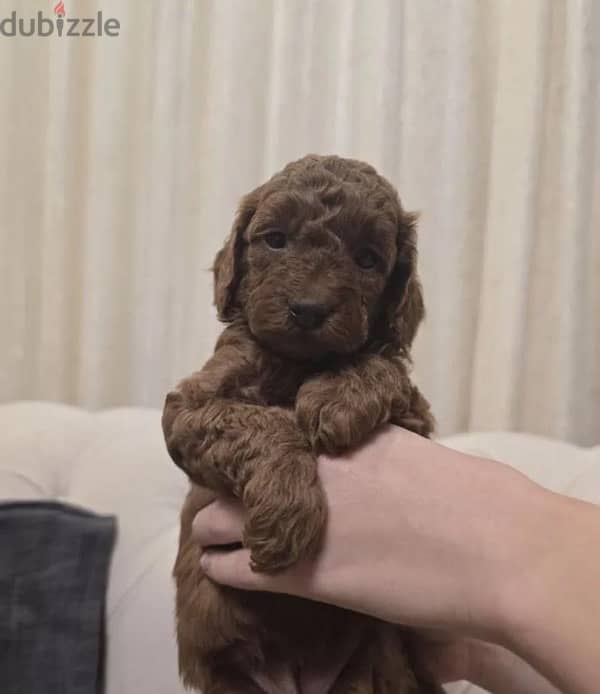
[(379, 666), (413, 413), (214, 624), (254, 452), (226, 680), (208, 617), (259, 455), (339, 410)]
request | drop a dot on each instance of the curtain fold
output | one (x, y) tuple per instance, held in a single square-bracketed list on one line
[(123, 160)]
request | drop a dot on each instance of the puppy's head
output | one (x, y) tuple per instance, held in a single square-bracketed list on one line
[(321, 261)]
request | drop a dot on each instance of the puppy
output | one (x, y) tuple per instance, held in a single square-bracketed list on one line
[(317, 284)]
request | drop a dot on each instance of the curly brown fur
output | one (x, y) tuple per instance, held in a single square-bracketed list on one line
[(317, 282)]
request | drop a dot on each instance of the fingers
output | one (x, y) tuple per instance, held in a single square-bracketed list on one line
[(232, 568), (219, 523), (222, 523)]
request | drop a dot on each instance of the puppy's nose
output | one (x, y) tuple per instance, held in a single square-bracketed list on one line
[(308, 315)]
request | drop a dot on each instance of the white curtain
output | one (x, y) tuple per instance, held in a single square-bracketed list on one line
[(122, 159)]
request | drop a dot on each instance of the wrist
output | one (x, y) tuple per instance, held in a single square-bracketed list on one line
[(509, 533), (548, 601), (522, 561)]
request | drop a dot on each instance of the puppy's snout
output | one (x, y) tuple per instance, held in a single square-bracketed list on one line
[(308, 315)]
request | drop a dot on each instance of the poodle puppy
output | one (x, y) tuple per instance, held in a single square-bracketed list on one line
[(318, 287)]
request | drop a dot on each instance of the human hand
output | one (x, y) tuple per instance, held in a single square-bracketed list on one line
[(413, 535), (422, 535)]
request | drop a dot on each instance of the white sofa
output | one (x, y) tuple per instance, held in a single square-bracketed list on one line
[(115, 462)]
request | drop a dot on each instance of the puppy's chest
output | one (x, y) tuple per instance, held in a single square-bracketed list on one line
[(272, 385)]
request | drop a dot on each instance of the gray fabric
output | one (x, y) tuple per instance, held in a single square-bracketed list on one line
[(54, 562)]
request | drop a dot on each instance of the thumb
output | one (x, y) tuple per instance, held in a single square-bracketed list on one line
[(232, 568)]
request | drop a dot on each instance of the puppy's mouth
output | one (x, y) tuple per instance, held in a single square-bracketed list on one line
[(295, 342)]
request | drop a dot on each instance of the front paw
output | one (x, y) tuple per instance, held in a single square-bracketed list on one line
[(329, 427), (286, 514), (333, 425)]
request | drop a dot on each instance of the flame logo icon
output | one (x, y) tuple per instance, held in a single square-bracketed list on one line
[(59, 9)]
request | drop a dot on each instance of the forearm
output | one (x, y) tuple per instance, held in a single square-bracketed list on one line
[(552, 613)]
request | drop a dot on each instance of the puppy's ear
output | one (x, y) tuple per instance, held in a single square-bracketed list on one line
[(403, 307), (227, 267)]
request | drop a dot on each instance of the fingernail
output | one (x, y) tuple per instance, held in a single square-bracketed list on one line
[(204, 561)]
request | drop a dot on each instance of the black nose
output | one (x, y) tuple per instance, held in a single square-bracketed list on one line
[(308, 315)]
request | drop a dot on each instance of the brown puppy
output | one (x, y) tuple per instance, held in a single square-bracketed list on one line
[(318, 284)]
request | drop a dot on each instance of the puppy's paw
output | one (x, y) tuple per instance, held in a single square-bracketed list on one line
[(334, 423), (413, 413), (286, 515), (331, 429)]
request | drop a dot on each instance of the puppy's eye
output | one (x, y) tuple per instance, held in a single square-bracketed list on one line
[(275, 239), (366, 258)]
